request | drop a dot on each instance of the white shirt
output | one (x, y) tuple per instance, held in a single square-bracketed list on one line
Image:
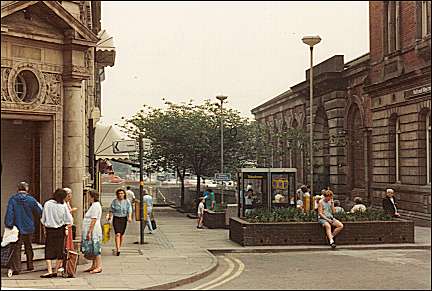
[(130, 195), (358, 207), (394, 205), (55, 215), (201, 208)]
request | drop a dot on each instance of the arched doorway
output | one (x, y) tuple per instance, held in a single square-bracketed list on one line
[(321, 161), (357, 173)]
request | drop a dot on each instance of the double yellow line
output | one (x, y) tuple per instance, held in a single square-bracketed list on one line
[(229, 275)]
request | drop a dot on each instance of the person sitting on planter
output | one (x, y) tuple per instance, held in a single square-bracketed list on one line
[(359, 206), (338, 208), (326, 210), (389, 203)]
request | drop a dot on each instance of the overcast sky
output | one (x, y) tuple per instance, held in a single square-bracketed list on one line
[(250, 51)]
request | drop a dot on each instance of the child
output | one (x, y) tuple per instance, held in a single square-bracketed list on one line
[(201, 212)]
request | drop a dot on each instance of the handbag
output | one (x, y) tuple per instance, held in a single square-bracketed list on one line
[(87, 249), (106, 232), (153, 223)]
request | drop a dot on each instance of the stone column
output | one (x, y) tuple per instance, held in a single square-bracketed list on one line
[(73, 148)]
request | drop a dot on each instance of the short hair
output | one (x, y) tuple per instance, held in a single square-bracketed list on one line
[(94, 194), (128, 187), (59, 195), (390, 190), (202, 198), (358, 200), (23, 186), (336, 203), (68, 190), (117, 192)]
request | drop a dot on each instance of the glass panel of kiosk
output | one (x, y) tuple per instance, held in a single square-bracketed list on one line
[(283, 190), (255, 188)]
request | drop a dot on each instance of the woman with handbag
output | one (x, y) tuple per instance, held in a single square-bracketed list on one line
[(55, 218), (92, 234)]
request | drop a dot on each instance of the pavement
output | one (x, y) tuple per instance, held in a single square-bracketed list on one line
[(177, 253)]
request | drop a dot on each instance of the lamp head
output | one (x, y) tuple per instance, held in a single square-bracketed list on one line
[(311, 40), (221, 98)]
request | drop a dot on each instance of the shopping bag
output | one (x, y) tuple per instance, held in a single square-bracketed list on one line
[(153, 223), (106, 232)]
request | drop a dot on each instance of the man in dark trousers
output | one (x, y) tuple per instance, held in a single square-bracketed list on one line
[(389, 203), (19, 213)]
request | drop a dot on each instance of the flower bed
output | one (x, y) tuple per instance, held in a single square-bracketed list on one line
[(290, 227)]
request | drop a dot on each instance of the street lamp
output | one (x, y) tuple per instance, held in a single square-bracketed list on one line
[(222, 99), (311, 41)]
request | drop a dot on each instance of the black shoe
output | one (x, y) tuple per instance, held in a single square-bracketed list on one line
[(118, 254), (333, 245), (50, 275)]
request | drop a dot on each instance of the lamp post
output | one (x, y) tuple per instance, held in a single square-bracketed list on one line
[(311, 41), (222, 98)]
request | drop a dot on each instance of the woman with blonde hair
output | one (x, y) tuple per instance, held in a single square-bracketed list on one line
[(120, 213)]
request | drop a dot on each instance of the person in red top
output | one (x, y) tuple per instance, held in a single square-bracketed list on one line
[(69, 237)]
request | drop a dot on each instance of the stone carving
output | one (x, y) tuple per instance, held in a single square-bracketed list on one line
[(54, 89), (4, 84)]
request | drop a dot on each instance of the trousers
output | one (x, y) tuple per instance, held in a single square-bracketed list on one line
[(25, 239)]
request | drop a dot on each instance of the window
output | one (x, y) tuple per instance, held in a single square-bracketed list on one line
[(20, 87), (425, 18), (428, 149), (391, 26), (393, 149)]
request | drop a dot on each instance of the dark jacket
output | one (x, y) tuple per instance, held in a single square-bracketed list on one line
[(388, 205), (20, 210)]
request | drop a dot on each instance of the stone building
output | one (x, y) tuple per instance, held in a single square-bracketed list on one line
[(372, 127), (53, 54)]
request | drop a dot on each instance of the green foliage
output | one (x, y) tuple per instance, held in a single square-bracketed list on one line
[(292, 214)]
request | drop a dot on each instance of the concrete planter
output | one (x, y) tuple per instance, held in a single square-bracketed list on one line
[(311, 233), (214, 219)]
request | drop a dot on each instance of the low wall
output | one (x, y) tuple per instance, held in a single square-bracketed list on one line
[(311, 233), (214, 219)]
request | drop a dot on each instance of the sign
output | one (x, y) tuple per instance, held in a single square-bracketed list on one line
[(146, 144), (124, 146), (408, 94), (222, 177)]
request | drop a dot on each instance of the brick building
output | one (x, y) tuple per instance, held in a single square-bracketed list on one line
[(372, 127)]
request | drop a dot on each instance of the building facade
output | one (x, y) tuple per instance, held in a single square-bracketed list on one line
[(50, 96), (371, 115)]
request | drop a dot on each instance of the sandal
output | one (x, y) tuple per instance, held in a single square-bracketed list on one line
[(89, 270), (96, 272)]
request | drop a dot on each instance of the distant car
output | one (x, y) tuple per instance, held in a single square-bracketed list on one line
[(229, 183), (210, 183)]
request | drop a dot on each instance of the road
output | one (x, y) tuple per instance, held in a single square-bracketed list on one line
[(338, 269)]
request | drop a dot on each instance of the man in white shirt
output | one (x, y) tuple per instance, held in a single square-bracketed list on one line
[(131, 197), (148, 200)]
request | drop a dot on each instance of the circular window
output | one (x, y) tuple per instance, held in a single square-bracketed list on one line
[(26, 86)]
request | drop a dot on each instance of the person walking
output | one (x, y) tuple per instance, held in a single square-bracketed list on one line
[(200, 212), (120, 213), (131, 197), (69, 228), (92, 233), (55, 217), (20, 210), (326, 210), (148, 200)]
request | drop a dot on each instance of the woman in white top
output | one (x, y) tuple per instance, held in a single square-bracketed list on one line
[(92, 234), (359, 206), (55, 217)]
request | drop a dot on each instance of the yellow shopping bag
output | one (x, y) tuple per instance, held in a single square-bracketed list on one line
[(106, 228)]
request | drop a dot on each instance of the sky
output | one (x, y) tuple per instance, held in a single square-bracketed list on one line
[(248, 51)]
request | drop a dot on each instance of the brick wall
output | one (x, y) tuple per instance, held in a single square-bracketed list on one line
[(214, 219), (311, 233)]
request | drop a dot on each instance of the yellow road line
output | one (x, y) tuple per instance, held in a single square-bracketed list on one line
[(224, 275), (235, 275)]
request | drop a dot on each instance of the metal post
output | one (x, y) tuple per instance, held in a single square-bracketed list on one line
[(311, 120), (222, 167), (141, 165)]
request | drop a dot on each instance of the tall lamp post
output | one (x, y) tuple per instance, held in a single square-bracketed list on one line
[(222, 99), (311, 41)]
